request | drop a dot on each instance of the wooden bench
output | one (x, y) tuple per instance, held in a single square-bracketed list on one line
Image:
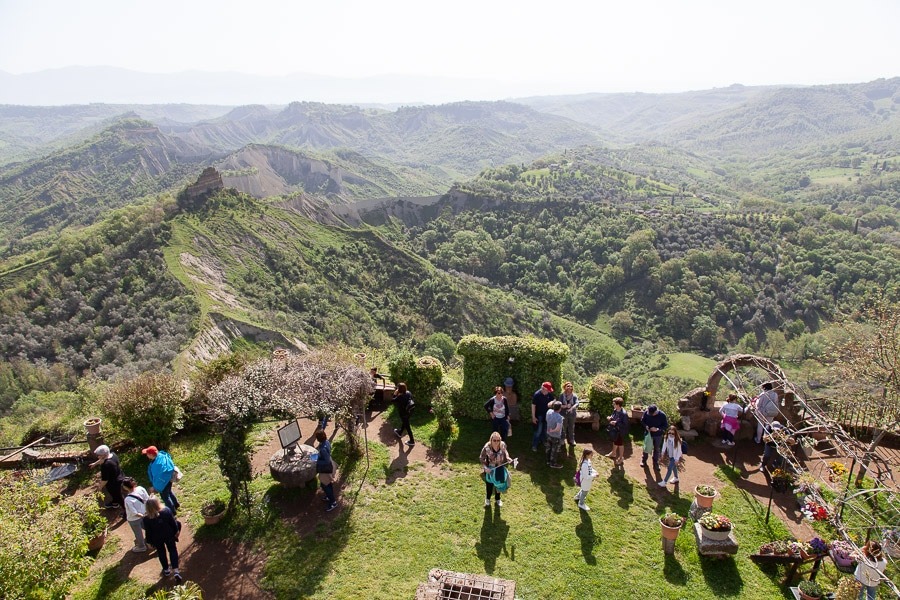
[(588, 416)]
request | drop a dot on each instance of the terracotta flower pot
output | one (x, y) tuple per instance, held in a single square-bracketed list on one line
[(669, 533), (213, 519), (92, 425), (95, 543), (703, 501), (808, 597)]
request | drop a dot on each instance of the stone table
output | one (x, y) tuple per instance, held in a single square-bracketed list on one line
[(715, 548), (294, 469)]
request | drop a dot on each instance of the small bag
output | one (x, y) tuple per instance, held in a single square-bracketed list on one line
[(178, 474), (684, 447), (648, 443), (612, 431), (322, 467), (578, 477)]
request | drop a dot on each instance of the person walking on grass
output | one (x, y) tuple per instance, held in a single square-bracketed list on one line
[(162, 534), (161, 472), (135, 500), (618, 423), (493, 456), (403, 401), (569, 410), (539, 403), (586, 475), (325, 469), (111, 473), (672, 449), (554, 434), (655, 423), (497, 407)]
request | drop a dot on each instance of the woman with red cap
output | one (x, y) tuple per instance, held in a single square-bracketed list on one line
[(161, 472)]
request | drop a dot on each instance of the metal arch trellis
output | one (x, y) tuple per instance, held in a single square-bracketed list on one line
[(865, 505)]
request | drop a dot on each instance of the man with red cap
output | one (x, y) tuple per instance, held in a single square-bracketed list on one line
[(539, 403), (161, 472)]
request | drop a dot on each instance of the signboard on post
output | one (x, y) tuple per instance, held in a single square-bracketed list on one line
[(289, 435)]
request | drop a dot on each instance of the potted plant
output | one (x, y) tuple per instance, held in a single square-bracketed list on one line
[(847, 589), (704, 495), (807, 445), (93, 523), (92, 425), (818, 546), (810, 590), (671, 524), (213, 511), (782, 480), (715, 526), (843, 555)]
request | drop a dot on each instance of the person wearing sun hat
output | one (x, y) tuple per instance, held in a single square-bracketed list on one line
[(161, 472), (539, 403)]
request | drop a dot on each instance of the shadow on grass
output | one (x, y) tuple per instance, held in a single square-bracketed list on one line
[(722, 576), (673, 571), (621, 486), (550, 481), (494, 532), (585, 533)]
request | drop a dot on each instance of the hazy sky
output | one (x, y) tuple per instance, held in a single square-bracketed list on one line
[(548, 46)]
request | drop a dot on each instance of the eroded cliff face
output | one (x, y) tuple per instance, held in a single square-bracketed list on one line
[(215, 339)]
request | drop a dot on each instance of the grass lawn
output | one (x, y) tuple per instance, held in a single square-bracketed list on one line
[(396, 526), (689, 366), (386, 541)]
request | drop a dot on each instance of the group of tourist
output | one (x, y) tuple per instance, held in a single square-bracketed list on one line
[(151, 517)]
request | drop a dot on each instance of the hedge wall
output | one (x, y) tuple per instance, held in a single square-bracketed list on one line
[(488, 361), (422, 376), (604, 387)]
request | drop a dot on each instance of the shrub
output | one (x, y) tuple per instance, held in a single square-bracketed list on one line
[(207, 376), (43, 544), (440, 345), (422, 376), (188, 591), (488, 361), (604, 387), (446, 397), (147, 409)]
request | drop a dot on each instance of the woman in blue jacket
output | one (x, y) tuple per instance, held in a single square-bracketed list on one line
[(325, 469)]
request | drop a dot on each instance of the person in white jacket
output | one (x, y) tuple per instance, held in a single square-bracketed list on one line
[(672, 449), (870, 569), (586, 474), (135, 506)]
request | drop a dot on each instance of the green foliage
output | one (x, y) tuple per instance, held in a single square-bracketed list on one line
[(441, 346), (422, 376), (188, 591), (446, 398), (147, 409), (599, 357), (488, 361), (43, 540), (604, 387), (207, 376)]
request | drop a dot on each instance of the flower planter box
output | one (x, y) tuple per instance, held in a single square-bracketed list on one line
[(717, 536)]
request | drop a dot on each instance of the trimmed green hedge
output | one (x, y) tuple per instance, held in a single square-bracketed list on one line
[(422, 376), (488, 361), (604, 387)]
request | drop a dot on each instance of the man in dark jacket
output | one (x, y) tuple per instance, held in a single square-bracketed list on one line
[(111, 473), (656, 424)]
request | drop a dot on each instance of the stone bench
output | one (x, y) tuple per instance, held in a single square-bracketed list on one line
[(588, 416)]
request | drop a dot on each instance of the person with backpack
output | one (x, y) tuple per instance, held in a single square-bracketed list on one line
[(135, 507), (162, 533), (497, 406), (325, 469), (494, 457), (584, 478), (161, 472), (672, 449), (403, 401)]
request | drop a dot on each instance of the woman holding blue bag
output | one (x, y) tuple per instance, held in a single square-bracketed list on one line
[(494, 458)]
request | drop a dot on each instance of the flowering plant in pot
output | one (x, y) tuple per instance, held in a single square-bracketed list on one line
[(671, 524), (704, 495), (843, 554), (810, 590), (213, 511), (715, 526), (782, 480), (808, 444), (818, 546), (814, 511)]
